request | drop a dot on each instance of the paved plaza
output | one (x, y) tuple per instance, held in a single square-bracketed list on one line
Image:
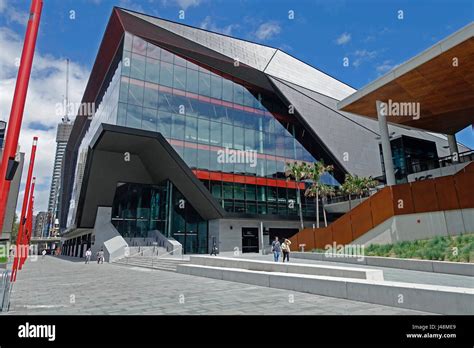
[(66, 286)]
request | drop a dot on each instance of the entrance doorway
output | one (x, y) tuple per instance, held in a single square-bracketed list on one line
[(249, 240)]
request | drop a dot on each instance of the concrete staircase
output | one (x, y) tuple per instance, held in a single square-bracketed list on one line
[(163, 264)]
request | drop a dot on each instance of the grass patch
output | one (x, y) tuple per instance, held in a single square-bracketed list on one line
[(441, 248)]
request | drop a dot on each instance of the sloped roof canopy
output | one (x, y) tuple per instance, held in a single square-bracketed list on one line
[(441, 80), (152, 160)]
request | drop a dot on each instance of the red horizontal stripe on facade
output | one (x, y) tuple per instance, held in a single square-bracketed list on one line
[(245, 179)]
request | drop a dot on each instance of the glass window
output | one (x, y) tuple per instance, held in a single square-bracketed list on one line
[(134, 116), (137, 70), (123, 91), (271, 168), (248, 98), (152, 70), (204, 84), (227, 90), (271, 194), (190, 155), (126, 63), (165, 102), (238, 94), (262, 208), (153, 51), (238, 138), (261, 167), (122, 114), (272, 209), (150, 99), (179, 80), (251, 208), (215, 161), (191, 129), (166, 74), (139, 45), (250, 192), (239, 207), (228, 190), (203, 159), (179, 61), (216, 87), (149, 119), (215, 137), (127, 43), (289, 147), (216, 188), (239, 191), (203, 131), (167, 56), (229, 206), (164, 123), (250, 139), (269, 144), (177, 129), (192, 81), (261, 194), (227, 135), (280, 169), (135, 93)]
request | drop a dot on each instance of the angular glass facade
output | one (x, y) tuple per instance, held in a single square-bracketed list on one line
[(204, 115), (202, 112)]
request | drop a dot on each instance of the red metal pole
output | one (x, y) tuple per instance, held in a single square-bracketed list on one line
[(29, 224), (18, 105), (26, 196)]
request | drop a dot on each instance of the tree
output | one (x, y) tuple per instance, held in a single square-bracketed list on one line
[(357, 185), (315, 172), (326, 191), (297, 171), (349, 187), (15, 226)]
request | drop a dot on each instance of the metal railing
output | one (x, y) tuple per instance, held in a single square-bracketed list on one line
[(5, 290)]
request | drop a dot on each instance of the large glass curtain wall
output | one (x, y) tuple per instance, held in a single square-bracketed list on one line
[(202, 113), (139, 209)]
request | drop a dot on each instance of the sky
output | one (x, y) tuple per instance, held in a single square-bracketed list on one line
[(374, 36)]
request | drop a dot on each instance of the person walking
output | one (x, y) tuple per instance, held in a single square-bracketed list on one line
[(285, 247), (276, 249), (43, 253), (88, 255), (100, 256), (214, 250)]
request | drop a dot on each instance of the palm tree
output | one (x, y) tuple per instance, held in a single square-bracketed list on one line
[(326, 191), (297, 171), (356, 185), (315, 172), (349, 187)]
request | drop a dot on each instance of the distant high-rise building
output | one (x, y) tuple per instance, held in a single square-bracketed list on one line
[(40, 222), (62, 136)]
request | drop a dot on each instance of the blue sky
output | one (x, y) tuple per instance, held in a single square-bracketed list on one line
[(322, 33)]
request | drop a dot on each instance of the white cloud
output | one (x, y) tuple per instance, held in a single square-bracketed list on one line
[(343, 39), (45, 91), (12, 15), (131, 5), (385, 66), (363, 56), (267, 30), (208, 24), (183, 4)]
